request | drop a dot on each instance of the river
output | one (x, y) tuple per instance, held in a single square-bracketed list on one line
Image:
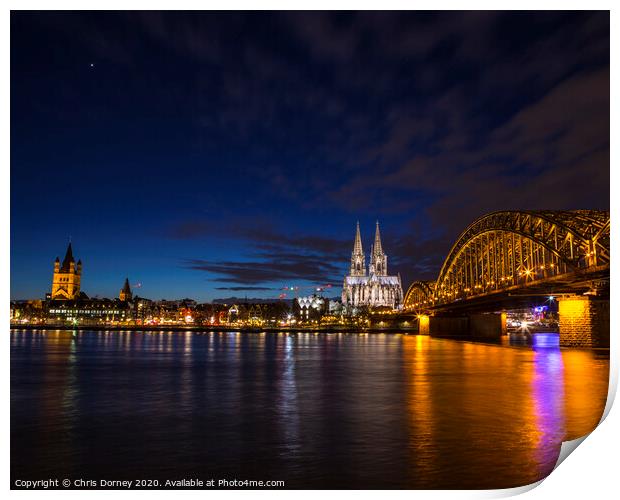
[(312, 410)]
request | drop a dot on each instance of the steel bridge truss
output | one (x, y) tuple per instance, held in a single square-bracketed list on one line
[(420, 295), (513, 249)]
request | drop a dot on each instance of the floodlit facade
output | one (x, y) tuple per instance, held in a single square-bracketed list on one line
[(375, 289), (310, 308), (67, 277)]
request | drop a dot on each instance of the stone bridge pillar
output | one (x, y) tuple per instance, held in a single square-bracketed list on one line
[(424, 325), (584, 321)]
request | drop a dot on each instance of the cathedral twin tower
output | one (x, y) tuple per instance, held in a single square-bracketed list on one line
[(376, 289)]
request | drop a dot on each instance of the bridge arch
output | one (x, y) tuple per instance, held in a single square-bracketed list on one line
[(515, 248), (419, 295)]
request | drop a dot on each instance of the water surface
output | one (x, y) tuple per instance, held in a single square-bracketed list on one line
[(314, 410)]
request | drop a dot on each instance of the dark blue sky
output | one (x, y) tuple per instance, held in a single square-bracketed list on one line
[(217, 154)]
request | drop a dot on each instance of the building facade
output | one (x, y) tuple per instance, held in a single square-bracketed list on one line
[(67, 277), (85, 311), (375, 289), (310, 308)]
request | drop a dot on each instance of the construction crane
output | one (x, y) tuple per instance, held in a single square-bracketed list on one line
[(296, 288)]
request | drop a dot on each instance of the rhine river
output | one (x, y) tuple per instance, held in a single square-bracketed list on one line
[(313, 410)]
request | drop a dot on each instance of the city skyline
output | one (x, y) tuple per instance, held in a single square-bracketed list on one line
[(210, 155), (135, 287)]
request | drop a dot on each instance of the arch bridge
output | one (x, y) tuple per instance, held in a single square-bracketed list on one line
[(511, 252)]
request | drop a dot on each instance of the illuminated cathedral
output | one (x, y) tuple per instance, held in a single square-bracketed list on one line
[(375, 289)]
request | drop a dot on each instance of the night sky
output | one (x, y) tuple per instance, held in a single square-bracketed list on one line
[(208, 155)]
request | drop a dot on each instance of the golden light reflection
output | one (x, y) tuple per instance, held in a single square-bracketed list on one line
[(451, 413), (474, 408), (421, 417), (424, 324), (586, 384)]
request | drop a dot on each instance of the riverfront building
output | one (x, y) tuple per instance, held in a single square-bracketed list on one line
[(310, 308), (375, 289), (87, 311)]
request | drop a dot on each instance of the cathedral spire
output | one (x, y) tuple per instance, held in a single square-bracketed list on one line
[(378, 249), (358, 260), (357, 246), (378, 259)]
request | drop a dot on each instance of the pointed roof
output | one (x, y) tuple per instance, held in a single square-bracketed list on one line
[(126, 287), (357, 246), (68, 259), (378, 249)]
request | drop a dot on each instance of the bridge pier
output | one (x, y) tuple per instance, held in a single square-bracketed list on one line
[(488, 326), (584, 321), (424, 325), (476, 326)]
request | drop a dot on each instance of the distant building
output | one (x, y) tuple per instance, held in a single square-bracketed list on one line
[(27, 311), (125, 295), (66, 280), (237, 313), (310, 308), (88, 311), (376, 289), (143, 309), (335, 307)]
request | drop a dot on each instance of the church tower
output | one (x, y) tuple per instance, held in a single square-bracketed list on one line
[(358, 260), (66, 280), (378, 259), (125, 294)]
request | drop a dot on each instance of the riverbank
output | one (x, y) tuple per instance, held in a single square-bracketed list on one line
[(220, 328)]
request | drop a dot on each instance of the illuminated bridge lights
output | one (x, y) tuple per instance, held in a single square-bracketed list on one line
[(517, 248)]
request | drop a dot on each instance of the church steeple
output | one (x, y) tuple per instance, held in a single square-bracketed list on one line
[(68, 260), (125, 294), (358, 260)]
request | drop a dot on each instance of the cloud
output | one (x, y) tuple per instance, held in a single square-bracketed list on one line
[(260, 233), (274, 268), (244, 288), (289, 258), (387, 112), (553, 153), (271, 256), (447, 115)]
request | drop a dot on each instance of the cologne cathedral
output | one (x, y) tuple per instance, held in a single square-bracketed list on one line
[(375, 289)]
